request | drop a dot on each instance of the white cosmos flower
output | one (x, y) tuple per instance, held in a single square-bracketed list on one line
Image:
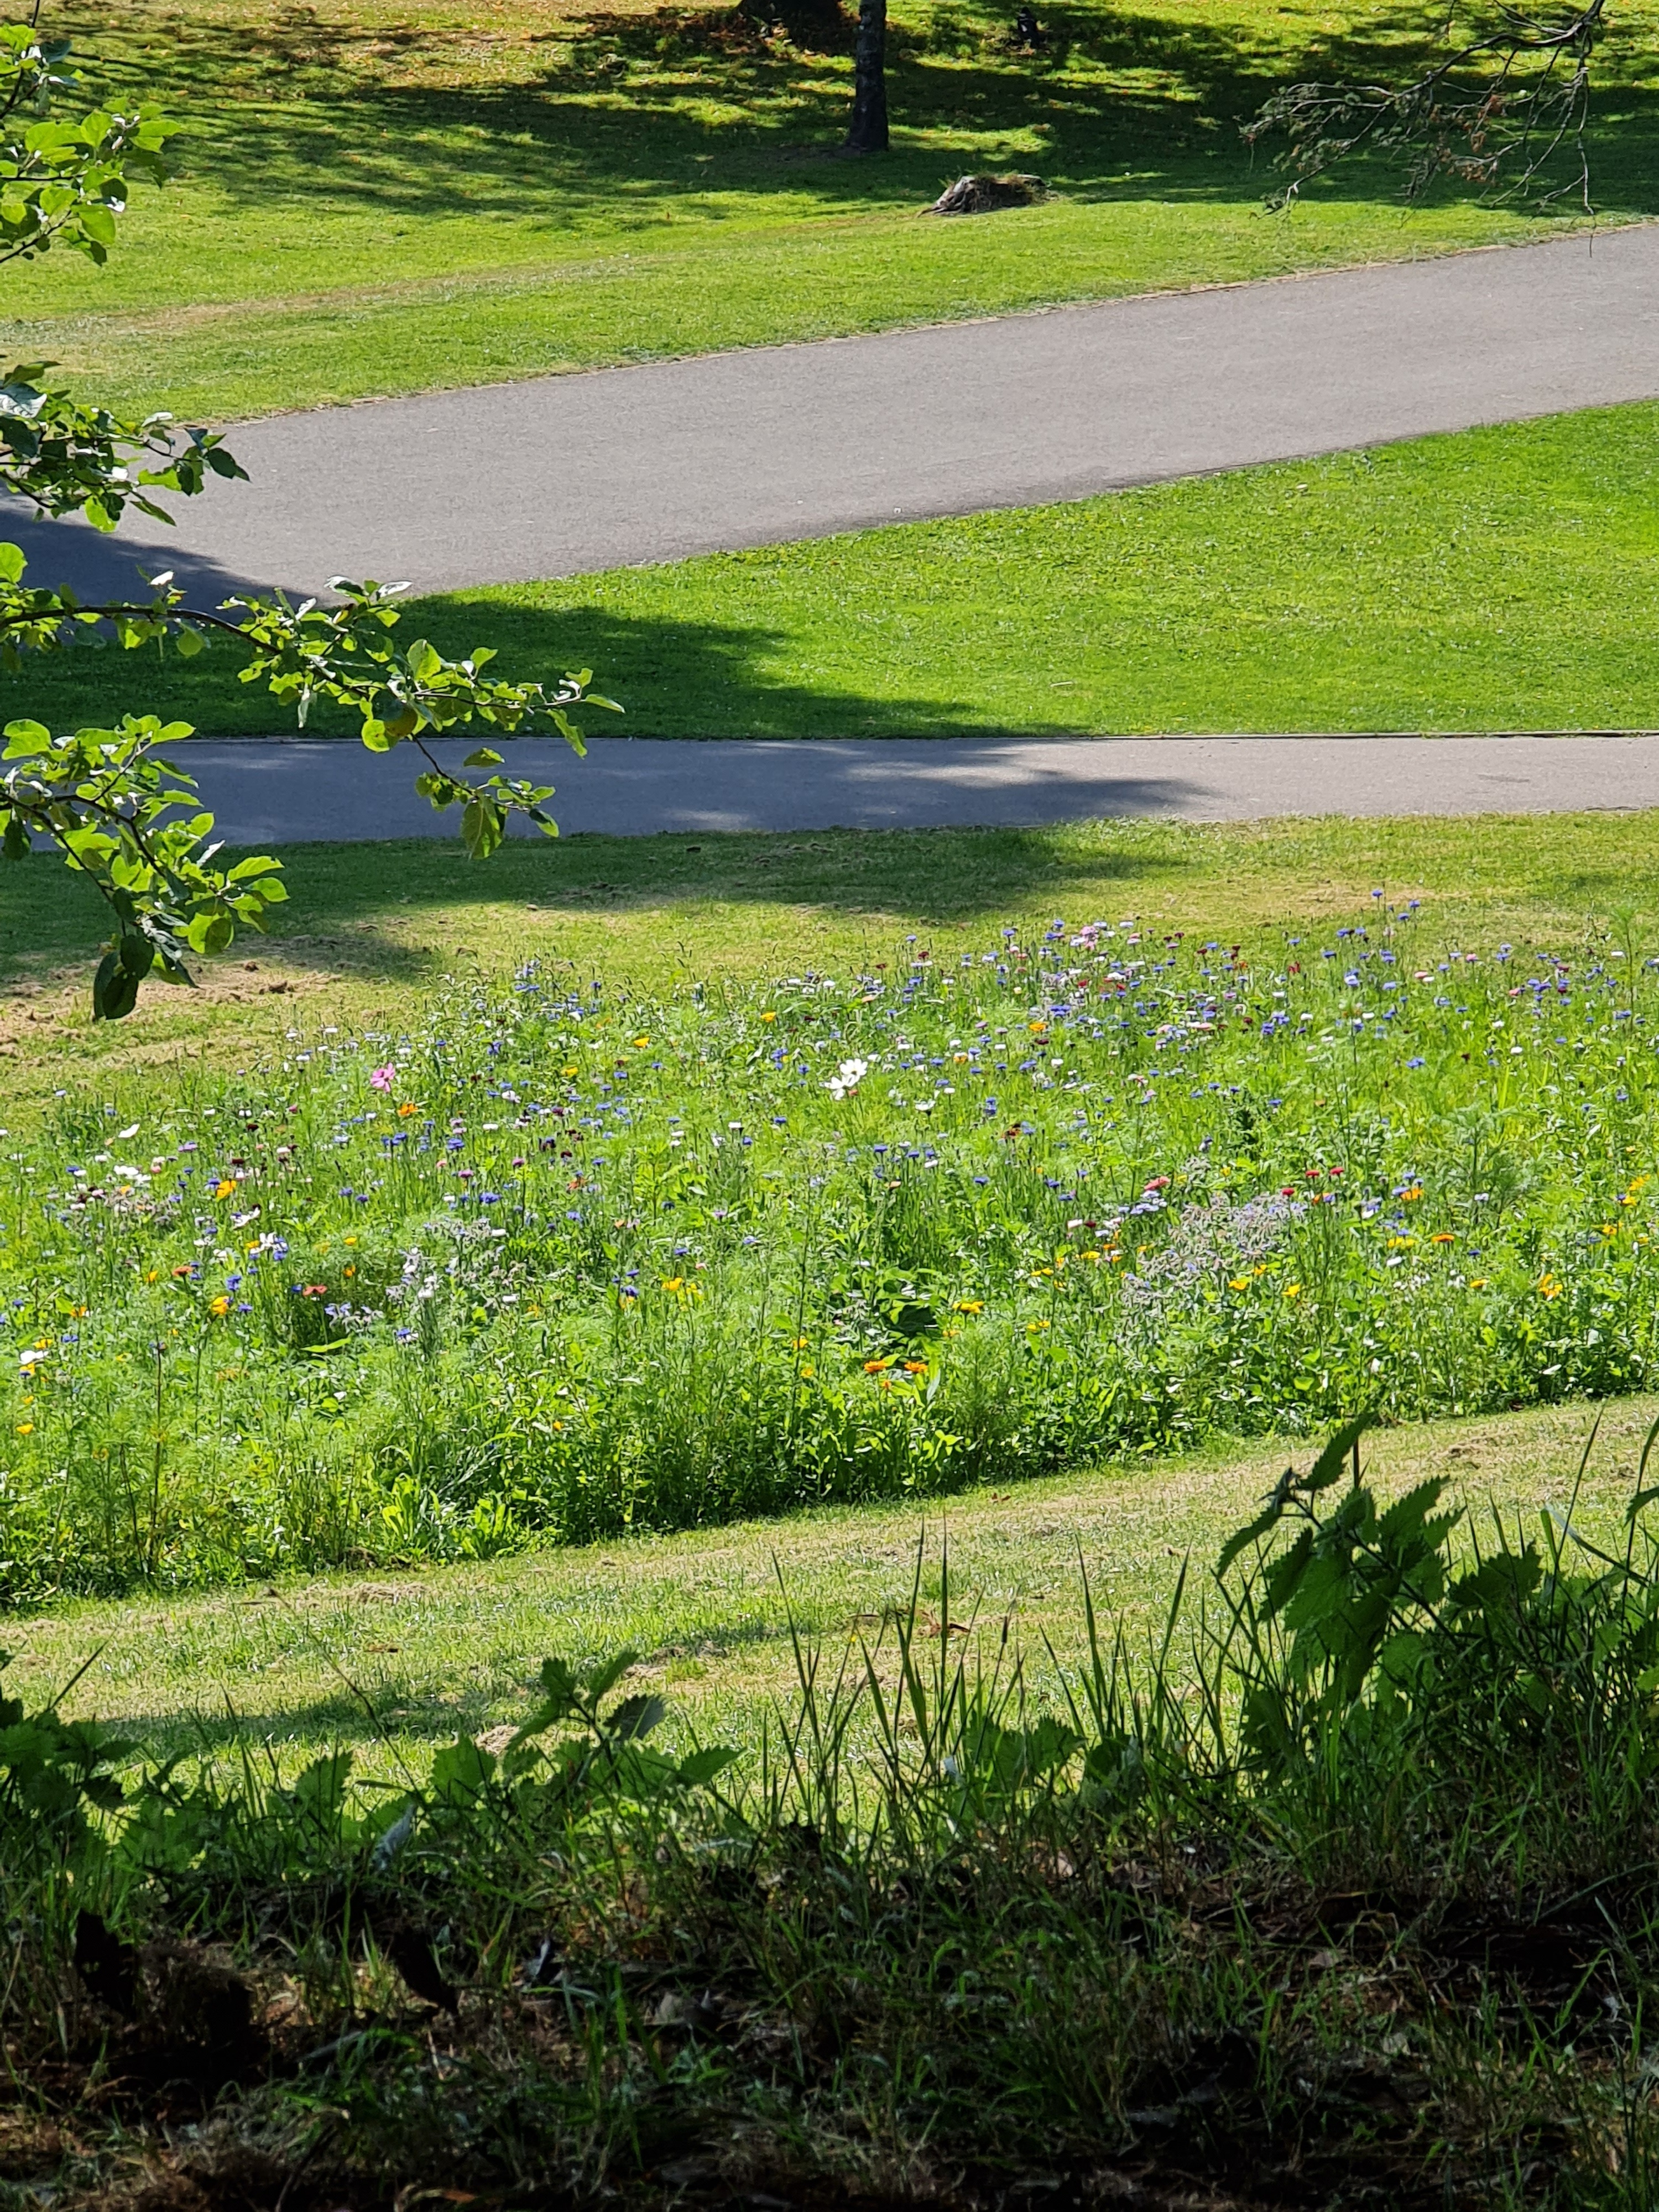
[(846, 1079)]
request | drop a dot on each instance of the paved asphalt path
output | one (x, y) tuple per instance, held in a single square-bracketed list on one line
[(297, 791), (579, 472)]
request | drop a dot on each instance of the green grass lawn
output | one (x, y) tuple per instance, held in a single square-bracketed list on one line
[(386, 199), (303, 1663), (1482, 581)]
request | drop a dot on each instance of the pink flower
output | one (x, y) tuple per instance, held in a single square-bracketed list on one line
[(383, 1077)]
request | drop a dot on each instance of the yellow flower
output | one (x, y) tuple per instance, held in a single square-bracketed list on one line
[(969, 1305), (916, 1366), (1549, 1284), (26, 1428), (959, 1059), (641, 1044), (1238, 1283), (225, 1187), (768, 1017), (570, 1071), (1292, 1290), (875, 1366), (807, 1370), (1477, 1282), (1402, 1243), (154, 1275), (1415, 1191), (407, 1108), (220, 1306), (1032, 1327)]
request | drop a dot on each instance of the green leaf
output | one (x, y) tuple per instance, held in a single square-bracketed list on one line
[(1329, 1468), (610, 1671), (698, 1768), (210, 933), (635, 1716), (114, 990), (482, 826), (1265, 1521), (461, 1770), (136, 954), (188, 643)]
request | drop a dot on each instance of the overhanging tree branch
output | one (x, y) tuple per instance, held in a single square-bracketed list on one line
[(1496, 111)]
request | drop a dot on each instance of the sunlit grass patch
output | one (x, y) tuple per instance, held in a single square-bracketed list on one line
[(393, 200)]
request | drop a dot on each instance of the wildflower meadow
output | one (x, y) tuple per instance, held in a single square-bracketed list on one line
[(564, 1261)]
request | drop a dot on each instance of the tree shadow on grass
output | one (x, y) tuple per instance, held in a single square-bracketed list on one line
[(675, 677), (639, 114), (349, 902)]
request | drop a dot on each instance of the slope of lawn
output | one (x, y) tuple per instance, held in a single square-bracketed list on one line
[(381, 199), (1482, 581), (392, 1661)]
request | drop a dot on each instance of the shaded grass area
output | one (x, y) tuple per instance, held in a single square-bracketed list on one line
[(1480, 581), (397, 198), (393, 1663)]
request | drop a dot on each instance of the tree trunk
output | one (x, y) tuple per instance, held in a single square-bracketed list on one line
[(866, 133)]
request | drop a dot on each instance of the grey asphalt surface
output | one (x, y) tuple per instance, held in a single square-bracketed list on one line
[(289, 792), (573, 473)]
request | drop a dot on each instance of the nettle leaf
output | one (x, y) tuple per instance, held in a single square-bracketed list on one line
[(1332, 1461), (635, 1718), (606, 1675), (698, 1768)]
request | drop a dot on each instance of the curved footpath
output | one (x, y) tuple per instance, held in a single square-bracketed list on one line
[(578, 472), (299, 791)]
